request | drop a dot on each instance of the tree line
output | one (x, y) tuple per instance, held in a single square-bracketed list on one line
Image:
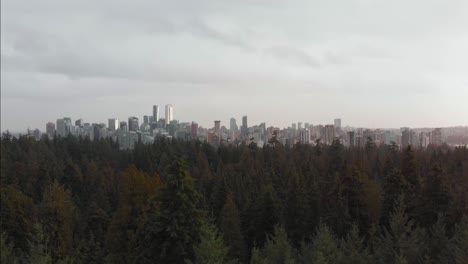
[(72, 200)]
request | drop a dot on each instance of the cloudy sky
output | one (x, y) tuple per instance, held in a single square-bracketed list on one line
[(374, 63)]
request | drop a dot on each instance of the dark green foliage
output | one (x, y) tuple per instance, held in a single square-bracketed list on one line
[(73, 200), (277, 250), (173, 228), (211, 249)]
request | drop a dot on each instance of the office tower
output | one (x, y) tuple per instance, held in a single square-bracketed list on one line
[(337, 123), (351, 139), (169, 114), (299, 126), (245, 127), (405, 137), (132, 123), (217, 128), (233, 125), (123, 126), (329, 134), (50, 129), (424, 139), (113, 124), (306, 125), (436, 136), (194, 129), (293, 125), (305, 136), (37, 134), (79, 123), (61, 127), (155, 113), (146, 119)]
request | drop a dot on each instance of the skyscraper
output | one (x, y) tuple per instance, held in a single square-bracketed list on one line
[(329, 134), (351, 139), (338, 123), (436, 136), (50, 129), (217, 128), (245, 127), (133, 123), (155, 113), (63, 126), (305, 136), (113, 124), (405, 137), (233, 125), (169, 114), (79, 123), (123, 126)]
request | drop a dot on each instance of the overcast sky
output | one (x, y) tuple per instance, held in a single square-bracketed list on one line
[(374, 63)]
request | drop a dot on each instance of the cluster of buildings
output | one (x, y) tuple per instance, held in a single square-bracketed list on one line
[(153, 126)]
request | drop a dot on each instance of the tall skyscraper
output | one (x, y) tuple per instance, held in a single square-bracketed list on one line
[(123, 126), (351, 139), (79, 123), (436, 136), (63, 126), (50, 129), (217, 128), (194, 129), (155, 113), (133, 123), (329, 134), (146, 119), (113, 124), (245, 127), (169, 114), (305, 136), (338, 123), (233, 125), (405, 138)]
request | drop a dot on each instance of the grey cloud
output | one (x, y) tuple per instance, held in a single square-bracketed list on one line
[(293, 55)]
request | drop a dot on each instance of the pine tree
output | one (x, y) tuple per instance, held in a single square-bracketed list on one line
[(173, 228), (277, 250), (211, 249), (460, 242), (323, 249), (353, 248), (7, 253), (402, 240), (231, 228)]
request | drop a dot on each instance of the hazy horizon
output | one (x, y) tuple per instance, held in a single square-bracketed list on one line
[(371, 63)]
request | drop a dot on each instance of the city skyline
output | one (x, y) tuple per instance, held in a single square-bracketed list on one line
[(372, 63)]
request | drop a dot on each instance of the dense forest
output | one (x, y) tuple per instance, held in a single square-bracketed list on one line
[(72, 200)]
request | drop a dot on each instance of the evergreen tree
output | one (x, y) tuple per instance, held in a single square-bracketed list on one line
[(173, 228), (353, 248), (211, 249), (323, 249), (277, 250), (231, 228), (7, 253)]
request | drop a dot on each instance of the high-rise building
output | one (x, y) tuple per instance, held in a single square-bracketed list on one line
[(194, 130), (337, 123), (113, 124), (305, 136), (79, 123), (146, 119), (61, 129), (50, 129), (245, 127), (351, 139), (37, 134), (133, 124), (217, 128), (169, 114), (329, 134), (405, 137), (123, 126), (299, 126), (233, 125), (436, 136), (155, 113)]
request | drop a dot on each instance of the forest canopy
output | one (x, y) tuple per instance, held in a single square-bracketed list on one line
[(72, 200)]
